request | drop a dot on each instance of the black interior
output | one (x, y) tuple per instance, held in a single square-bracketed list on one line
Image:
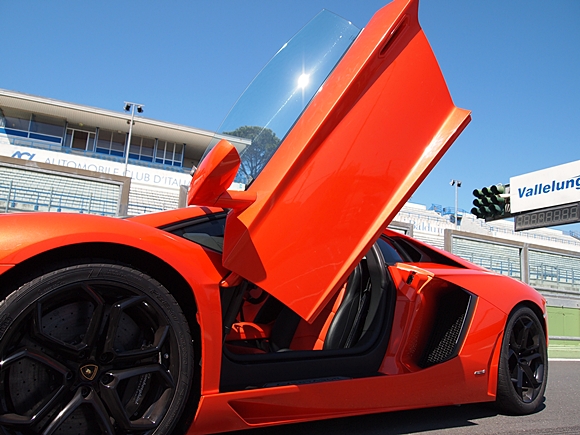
[(354, 346)]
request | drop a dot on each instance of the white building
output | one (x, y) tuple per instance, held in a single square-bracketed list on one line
[(82, 138)]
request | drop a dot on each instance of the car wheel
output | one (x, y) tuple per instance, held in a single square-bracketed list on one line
[(523, 366), (93, 349)]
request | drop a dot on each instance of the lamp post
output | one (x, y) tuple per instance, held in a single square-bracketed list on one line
[(130, 106), (457, 185)]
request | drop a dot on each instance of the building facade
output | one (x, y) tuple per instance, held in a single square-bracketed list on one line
[(160, 155)]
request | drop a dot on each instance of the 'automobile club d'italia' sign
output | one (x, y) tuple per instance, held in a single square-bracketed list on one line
[(548, 187), (138, 174)]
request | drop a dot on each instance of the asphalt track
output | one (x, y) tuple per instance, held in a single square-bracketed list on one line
[(560, 415)]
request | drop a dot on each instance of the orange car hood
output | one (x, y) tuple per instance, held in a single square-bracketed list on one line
[(377, 126)]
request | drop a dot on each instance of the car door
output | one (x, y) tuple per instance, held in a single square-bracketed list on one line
[(369, 136)]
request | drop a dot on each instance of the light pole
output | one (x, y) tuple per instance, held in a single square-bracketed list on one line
[(130, 106), (457, 185)]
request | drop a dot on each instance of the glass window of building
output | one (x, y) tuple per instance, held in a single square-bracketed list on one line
[(135, 148), (118, 144), (15, 119), (104, 141), (111, 142), (80, 139), (160, 152), (178, 154), (142, 148), (169, 153), (47, 125), (24, 124), (147, 148)]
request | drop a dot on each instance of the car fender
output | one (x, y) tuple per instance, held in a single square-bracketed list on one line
[(26, 236), (503, 293)]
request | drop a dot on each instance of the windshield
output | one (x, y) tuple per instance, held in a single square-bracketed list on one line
[(273, 102)]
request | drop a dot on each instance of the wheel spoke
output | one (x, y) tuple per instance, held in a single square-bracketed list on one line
[(45, 403), (145, 350), (518, 380), (525, 333), (83, 395), (42, 358), (512, 356), (42, 409), (115, 316), (531, 358), (152, 380), (96, 319), (515, 342), (71, 347), (53, 343), (529, 375)]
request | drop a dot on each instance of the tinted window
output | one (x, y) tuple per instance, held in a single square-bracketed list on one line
[(390, 254), (208, 233), (417, 253)]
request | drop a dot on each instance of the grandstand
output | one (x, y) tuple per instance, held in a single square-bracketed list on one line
[(429, 226), (150, 200), (30, 186)]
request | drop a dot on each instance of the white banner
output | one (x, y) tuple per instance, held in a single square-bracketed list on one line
[(552, 186), (139, 174)]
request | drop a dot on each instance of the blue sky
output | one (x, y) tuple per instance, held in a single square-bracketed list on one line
[(515, 64)]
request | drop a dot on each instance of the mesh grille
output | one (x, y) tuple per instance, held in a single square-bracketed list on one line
[(445, 347), (446, 333)]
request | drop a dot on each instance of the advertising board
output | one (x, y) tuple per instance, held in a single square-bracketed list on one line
[(139, 174), (545, 188)]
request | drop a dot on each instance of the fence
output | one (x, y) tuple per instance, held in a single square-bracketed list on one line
[(15, 199), (542, 267)]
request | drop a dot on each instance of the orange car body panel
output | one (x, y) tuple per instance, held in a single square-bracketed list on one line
[(388, 87), (371, 134), (469, 378)]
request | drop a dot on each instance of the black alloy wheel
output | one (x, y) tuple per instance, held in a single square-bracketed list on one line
[(93, 349), (523, 366)]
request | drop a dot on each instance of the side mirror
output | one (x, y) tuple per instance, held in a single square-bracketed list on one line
[(210, 182)]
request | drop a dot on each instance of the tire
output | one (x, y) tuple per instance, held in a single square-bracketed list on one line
[(93, 349), (523, 365)]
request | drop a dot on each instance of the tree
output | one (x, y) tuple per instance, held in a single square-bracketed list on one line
[(256, 155)]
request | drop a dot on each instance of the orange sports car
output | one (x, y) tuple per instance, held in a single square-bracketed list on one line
[(278, 296)]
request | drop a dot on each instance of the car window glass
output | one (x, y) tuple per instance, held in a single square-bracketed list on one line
[(390, 254), (208, 233), (410, 252), (267, 110)]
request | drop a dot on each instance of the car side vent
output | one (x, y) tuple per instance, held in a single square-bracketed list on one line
[(453, 315)]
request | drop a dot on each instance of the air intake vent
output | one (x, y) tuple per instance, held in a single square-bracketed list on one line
[(449, 328)]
